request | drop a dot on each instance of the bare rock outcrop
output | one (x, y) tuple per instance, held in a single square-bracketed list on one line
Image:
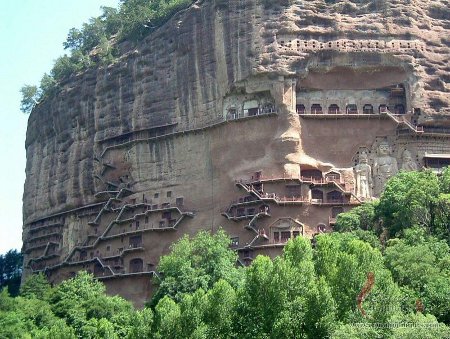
[(224, 89)]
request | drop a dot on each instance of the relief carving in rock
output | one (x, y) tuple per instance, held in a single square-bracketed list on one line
[(384, 167), (363, 177), (408, 164)]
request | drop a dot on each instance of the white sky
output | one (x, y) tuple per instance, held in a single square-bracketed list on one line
[(31, 37)]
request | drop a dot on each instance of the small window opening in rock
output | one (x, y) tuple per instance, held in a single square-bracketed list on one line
[(232, 113), (156, 195), (301, 109), (316, 109), (333, 109), (367, 109), (136, 265), (317, 195), (253, 111), (335, 197), (382, 108), (352, 109), (136, 241), (169, 194)]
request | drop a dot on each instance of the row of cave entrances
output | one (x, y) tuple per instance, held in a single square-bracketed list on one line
[(136, 265), (350, 109)]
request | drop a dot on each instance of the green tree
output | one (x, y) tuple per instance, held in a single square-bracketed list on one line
[(11, 271), (421, 263), (442, 217), (192, 308), (359, 330), (143, 322), (30, 98), (167, 314), (320, 315), (219, 312), (82, 303), (276, 296), (112, 20), (409, 199), (258, 304), (361, 217), (74, 39), (36, 286), (345, 262), (196, 263), (444, 180), (30, 318), (419, 326)]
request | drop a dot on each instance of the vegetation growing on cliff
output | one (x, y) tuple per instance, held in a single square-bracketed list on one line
[(11, 271), (96, 43), (313, 290), (410, 199)]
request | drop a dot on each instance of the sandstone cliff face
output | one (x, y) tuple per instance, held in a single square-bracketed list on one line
[(178, 74), (182, 72), (129, 157), (410, 34)]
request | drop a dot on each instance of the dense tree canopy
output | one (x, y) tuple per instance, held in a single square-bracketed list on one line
[(11, 271), (409, 199), (381, 277), (196, 263), (77, 308)]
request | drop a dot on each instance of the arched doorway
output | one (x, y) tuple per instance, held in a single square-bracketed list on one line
[(351, 109), (301, 109), (367, 109), (382, 108), (316, 109), (136, 265), (333, 109)]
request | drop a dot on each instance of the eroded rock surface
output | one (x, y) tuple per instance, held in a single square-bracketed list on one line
[(283, 97)]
